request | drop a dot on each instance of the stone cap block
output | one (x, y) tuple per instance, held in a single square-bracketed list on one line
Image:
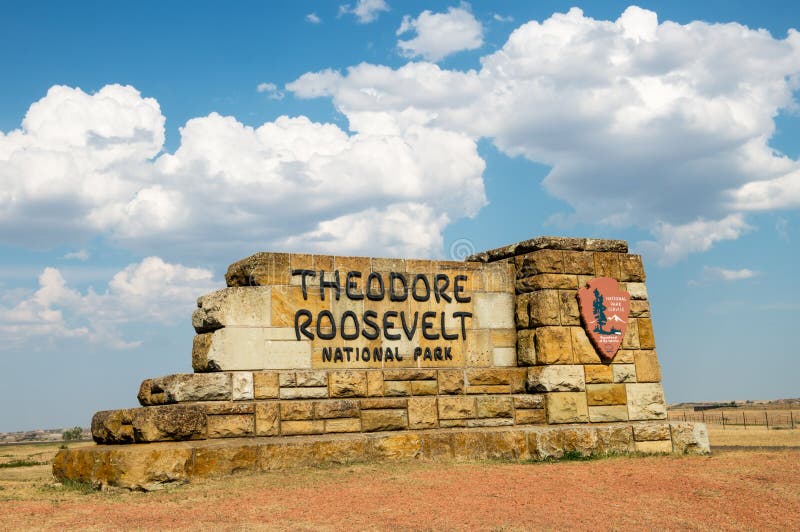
[(550, 242)]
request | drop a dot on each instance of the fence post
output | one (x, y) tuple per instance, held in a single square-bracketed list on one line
[(791, 418), (723, 420), (703, 415), (684, 416), (766, 418)]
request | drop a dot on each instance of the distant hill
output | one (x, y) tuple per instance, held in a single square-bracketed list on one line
[(775, 404), (38, 435)]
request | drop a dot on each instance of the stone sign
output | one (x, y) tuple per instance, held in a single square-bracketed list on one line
[(604, 310), (308, 359)]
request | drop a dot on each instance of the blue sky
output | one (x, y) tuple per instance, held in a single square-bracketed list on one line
[(143, 149)]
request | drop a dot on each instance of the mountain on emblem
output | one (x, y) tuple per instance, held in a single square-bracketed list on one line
[(604, 312)]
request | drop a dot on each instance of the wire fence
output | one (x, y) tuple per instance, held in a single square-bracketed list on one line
[(740, 418)]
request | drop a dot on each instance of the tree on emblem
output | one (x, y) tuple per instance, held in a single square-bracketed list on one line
[(599, 311)]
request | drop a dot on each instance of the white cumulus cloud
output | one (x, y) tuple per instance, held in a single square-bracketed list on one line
[(440, 34), (725, 274), (365, 11), (313, 18), (151, 291), (656, 125), (272, 91), (228, 185)]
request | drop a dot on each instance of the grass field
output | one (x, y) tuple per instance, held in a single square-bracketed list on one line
[(639, 492)]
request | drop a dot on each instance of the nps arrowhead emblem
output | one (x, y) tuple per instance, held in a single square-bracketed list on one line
[(604, 313)]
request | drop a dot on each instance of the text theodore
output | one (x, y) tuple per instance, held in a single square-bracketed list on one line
[(390, 324)]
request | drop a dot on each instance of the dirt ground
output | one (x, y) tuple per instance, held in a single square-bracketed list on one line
[(733, 489)]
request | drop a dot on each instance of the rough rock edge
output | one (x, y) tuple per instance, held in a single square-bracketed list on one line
[(549, 242), (158, 465)]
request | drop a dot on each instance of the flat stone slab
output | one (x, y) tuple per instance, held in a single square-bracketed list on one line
[(158, 465), (550, 242)]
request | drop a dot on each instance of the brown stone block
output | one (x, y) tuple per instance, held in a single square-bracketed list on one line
[(598, 374), (568, 307), (389, 265), (113, 426), (478, 348), (168, 423), (494, 406), (379, 420), (605, 394), (318, 392), (640, 308), (301, 261), (631, 268), (287, 379), (583, 350), (268, 419), (297, 410), (354, 264), (490, 422), (546, 281), (452, 423), (579, 262), (624, 356), (223, 461), (646, 338), (346, 424), (231, 426), (607, 265), (348, 383), (488, 388), (631, 338), (530, 416), (518, 376), (582, 440), (451, 381), (387, 402), (409, 374), (624, 372), (422, 413), (456, 407), (543, 261), (374, 383), (396, 388), (646, 401), (614, 439), (544, 308), (651, 431), (336, 408), (287, 300), (567, 407), (468, 445), (553, 345), (437, 447), (526, 348), (226, 407), (397, 447), (200, 347), (647, 367), (424, 387), (265, 384), (292, 428), (529, 401), (522, 311), (478, 377)]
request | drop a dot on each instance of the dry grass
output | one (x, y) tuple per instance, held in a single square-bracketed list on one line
[(752, 437)]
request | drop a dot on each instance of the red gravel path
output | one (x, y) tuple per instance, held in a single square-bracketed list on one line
[(732, 490)]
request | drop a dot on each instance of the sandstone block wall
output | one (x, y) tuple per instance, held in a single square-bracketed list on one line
[(502, 345), (551, 340)]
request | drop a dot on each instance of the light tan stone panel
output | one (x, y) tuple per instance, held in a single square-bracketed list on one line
[(422, 413), (526, 348), (646, 401), (478, 348), (233, 307), (606, 414), (255, 348), (624, 372), (451, 381), (265, 385), (231, 426), (267, 419), (348, 383), (185, 387), (556, 378), (493, 310)]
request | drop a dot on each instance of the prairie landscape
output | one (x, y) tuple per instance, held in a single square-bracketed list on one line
[(757, 465)]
